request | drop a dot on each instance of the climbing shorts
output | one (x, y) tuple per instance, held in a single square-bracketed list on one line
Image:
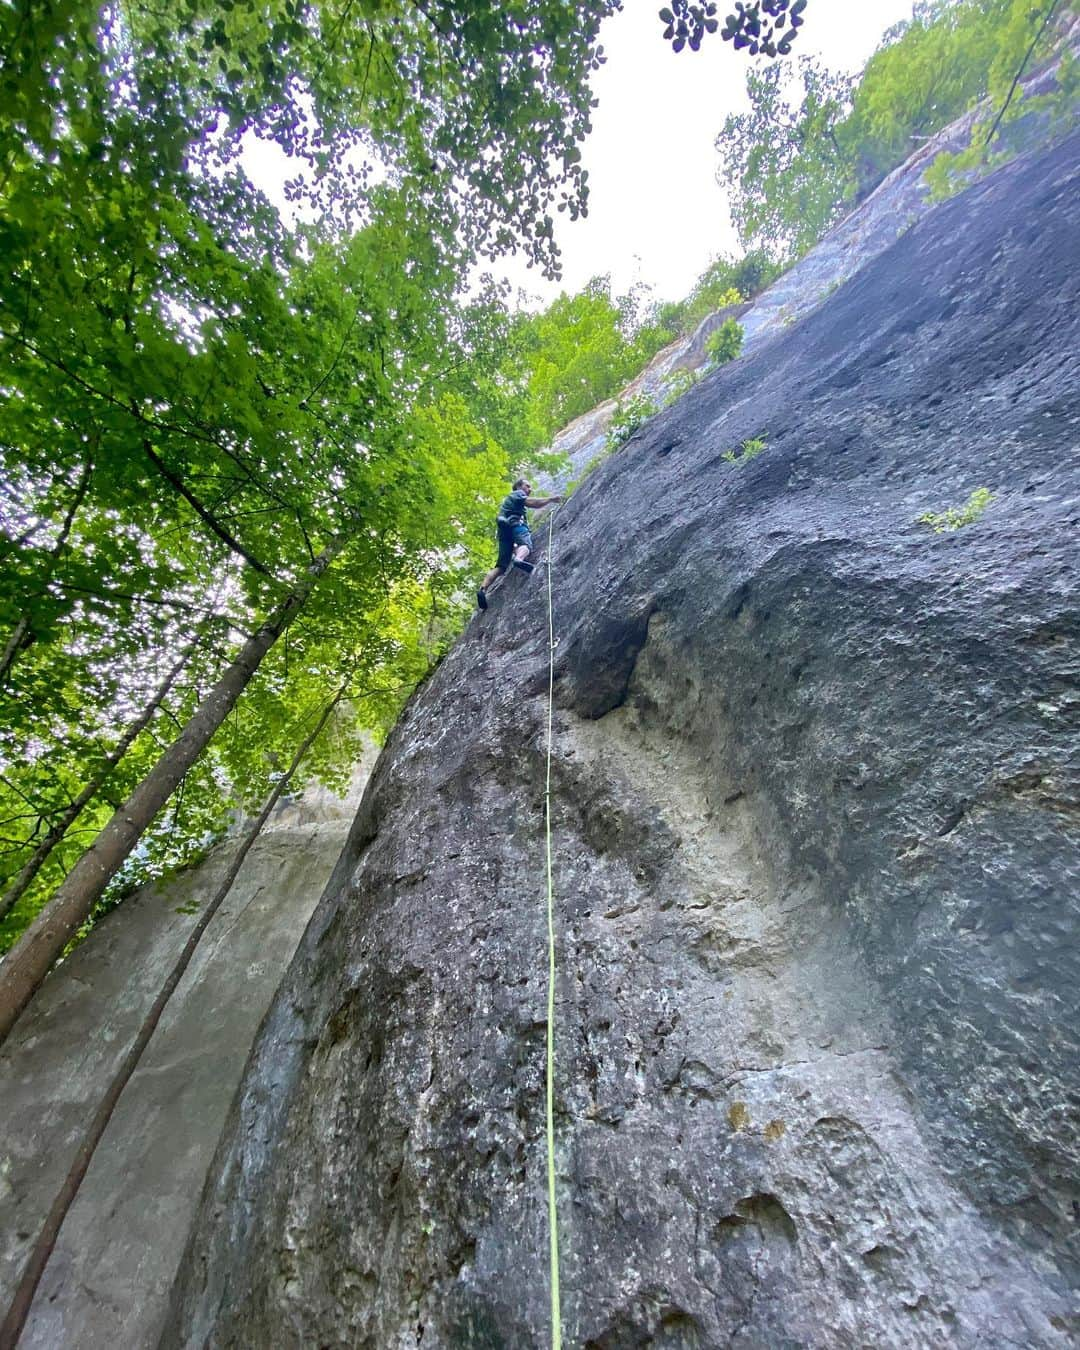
[(511, 534)]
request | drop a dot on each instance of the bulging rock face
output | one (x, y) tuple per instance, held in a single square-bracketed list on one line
[(816, 817)]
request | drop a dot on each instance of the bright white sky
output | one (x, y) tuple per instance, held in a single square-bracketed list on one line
[(656, 212)]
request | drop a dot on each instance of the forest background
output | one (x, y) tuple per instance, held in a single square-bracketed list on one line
[(249, 470)]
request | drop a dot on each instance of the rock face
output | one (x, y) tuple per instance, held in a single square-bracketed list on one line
[(816, 820), (108, 1281)]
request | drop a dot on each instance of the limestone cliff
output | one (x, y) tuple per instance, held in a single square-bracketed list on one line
[(108, 1280), (817, 820)]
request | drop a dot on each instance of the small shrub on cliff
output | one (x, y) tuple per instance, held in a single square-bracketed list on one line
[(678, 384), (750, 449), (627, 418), (951, 173), (725, 300), (725, 344), (955, 517)]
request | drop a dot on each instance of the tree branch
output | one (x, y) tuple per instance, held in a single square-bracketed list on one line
[(59, 828), (15, 641), (204, 515), (1020, 73)]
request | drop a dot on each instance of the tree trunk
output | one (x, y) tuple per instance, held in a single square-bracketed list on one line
[(33, 864), (207, 517), (46, 1239), (1020, 73), (30, 960)]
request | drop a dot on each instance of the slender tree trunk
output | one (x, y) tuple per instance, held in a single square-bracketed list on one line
[(15, 641), (1020, 73), (30, 960), (23, 1299), (33, 864)]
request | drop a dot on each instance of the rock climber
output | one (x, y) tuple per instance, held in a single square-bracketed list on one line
[(515, 540)]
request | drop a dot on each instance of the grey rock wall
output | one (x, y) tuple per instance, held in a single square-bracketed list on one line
[(817, 831), (107, 1283)]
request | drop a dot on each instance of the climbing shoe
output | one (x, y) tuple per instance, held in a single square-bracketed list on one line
[(523, 566), (481, 598)]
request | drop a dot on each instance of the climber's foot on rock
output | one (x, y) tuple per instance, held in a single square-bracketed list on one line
[(523, 566), (481, 598)]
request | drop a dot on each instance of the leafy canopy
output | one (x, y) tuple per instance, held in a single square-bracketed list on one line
[(686, 23), (196, 401)]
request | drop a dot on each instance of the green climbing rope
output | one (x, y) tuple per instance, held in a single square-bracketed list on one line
[(553, 1214)]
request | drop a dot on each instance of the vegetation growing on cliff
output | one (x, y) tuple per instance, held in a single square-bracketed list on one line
[(750, 449), (811, 146), (956, 517), (725, 343)]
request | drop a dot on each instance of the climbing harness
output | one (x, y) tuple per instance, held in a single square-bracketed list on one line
[(553, 1214)]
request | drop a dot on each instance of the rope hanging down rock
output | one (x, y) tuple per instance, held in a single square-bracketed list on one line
[(553, 1214)]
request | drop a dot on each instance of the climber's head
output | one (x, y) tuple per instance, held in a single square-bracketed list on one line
[(523, 485)]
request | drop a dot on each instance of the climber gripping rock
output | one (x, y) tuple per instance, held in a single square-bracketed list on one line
[(515, 539)]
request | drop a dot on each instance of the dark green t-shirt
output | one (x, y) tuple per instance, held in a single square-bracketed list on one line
[(513, 507)]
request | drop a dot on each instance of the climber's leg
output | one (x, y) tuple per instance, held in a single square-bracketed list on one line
[(506, 550), (522, 548)]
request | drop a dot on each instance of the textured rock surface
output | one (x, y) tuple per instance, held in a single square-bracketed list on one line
[(817, 826), (108, 1281)]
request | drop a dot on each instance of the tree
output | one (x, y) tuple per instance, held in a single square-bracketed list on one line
[(811, 145), (58, 828), (199, 405), (685, 24), (581, 349), (788, 175), (45, 1242), (531, 374)]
